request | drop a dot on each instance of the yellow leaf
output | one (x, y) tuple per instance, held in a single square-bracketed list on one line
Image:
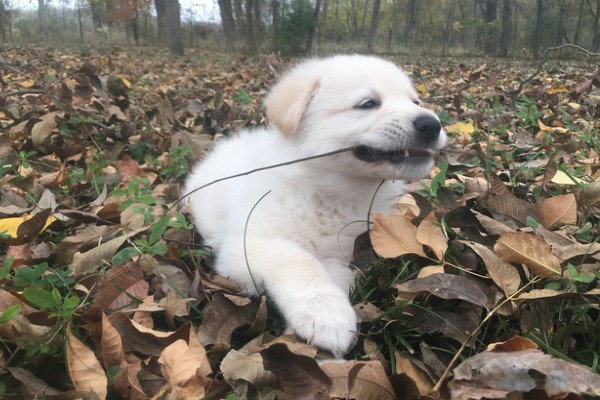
[(561, 178), (422, 90), (9, 226), (125, 81), (556, 89), (574, 106), (546, 128), (460, 127), (27, 84)]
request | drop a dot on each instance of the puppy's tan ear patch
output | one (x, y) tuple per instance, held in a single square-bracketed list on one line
[(289, 98)]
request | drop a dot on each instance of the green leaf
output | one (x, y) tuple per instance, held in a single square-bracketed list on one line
[(39, 297), (9, 313), (158, 229), (124, 255)]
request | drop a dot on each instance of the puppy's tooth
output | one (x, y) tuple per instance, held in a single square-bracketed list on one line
[(406, 153)]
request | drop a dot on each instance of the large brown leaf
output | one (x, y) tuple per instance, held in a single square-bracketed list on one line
[(490, 374), (528, 249), (393, 236), (84, 369), (502, 273), (559, 210)]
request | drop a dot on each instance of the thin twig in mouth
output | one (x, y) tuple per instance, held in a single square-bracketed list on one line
[(329, 153)]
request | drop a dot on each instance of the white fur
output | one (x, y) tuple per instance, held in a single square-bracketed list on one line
[(300, 236)]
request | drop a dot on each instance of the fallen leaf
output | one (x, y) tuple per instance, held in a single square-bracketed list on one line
[(521, 372), (393, 236), (178, 364), (430, 234), (299, 376), (84, 369), (515, 343), (445, 286), (358, 380), (528, 249), (559, 210), (503, 274)]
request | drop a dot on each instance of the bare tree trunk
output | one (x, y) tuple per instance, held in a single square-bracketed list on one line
[(364, 18), (354, 19), (448, 26), (80, 21), (161, 20), (562, 11), (505, 34), (578, 26), (373, 28), (596, 15), (538, 27), (276, 22), (250, 39), (411, 18), (174, 35), (311, 33), (43, 28), (227, 20), (490, 15)]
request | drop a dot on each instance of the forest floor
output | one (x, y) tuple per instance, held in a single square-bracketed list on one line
[(104, 290)]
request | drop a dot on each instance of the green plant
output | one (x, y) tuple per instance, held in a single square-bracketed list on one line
[(152, 246), (179, 165), (528, 112), (138, 191)]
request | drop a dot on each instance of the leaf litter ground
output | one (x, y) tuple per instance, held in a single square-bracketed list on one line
[(106, 291)]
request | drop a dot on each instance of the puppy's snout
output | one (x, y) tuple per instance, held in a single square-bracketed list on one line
[(428, 127)]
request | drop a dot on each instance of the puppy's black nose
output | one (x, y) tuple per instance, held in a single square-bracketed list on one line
[(429, 127)]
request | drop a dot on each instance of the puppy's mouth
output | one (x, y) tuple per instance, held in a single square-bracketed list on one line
[(397, 156)]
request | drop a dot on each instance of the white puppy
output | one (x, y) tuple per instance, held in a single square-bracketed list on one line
[(290, 230)]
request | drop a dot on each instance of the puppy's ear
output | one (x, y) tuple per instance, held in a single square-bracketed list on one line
[(289, 98)]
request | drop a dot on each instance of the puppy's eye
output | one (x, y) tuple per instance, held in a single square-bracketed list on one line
[(367, 104), (417, 102)]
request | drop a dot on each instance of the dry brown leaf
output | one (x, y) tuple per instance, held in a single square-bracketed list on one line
[(92, 259), (393, 236), (238, 366), (513, 207), (178, 364), (414, 369), (445, 286), (127, 382), (44, 128), (35, 386), (222, 316), (430, 234), (559, 210), (430, 270), (503, 274), (521, 372), (145, 340), (528, 249), (358, 380), (120, 286), (111, 345), (515, 343), (299, 376), (84, 369), (454, 325)]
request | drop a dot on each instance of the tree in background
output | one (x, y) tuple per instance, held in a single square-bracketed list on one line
[(174, 35), (43, 28)]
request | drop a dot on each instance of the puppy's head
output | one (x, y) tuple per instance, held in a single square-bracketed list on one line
[(360, 101)]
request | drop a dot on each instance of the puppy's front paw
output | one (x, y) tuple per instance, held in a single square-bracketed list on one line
[(327, 321)]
